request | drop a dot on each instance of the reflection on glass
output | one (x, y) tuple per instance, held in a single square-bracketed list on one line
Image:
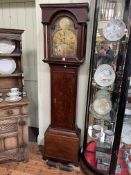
[(107, 70), (125, 146)]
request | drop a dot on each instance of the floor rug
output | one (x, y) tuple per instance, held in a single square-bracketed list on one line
[(35, 166)]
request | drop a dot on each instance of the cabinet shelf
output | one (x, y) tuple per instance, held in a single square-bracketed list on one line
[(10, 75), (10, 55), (104, 147)]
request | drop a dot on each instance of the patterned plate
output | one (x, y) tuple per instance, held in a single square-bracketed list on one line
[(114, 30), (104, 75)]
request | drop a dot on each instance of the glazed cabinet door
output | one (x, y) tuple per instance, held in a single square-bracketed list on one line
[(107, 92)]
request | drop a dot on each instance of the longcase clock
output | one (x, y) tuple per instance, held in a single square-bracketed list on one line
[(64, 44)]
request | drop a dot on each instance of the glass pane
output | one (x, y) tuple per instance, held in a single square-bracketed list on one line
[(108, 67), (64, 37), (124, 156)]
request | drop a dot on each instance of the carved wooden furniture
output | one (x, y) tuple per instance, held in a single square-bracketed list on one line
[(13, 115), (64, 44)]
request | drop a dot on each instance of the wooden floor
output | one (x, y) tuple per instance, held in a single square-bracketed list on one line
[(35, 166)]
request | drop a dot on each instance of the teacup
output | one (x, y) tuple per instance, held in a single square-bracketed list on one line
[(96, 132), (108, 136), (14, 92)]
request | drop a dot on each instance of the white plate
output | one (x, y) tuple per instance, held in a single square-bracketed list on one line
[(98, 116), (104, 75), (13, 99), (1, 100), (102, 105), (114, 30), (6, 46), (7, 66)]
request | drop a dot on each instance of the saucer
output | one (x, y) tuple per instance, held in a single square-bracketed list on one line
[(13, 93), (14, 99), (1, 100)]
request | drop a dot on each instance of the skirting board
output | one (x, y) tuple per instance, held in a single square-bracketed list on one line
[(40, 139)]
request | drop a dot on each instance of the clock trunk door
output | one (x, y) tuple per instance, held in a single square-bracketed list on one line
[(63, 97)]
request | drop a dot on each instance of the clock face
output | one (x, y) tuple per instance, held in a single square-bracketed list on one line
[(65, 43), (64, 39)]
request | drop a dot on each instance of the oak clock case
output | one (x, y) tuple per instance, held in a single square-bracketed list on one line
[(13, 109), (64, 45), (103, 146)]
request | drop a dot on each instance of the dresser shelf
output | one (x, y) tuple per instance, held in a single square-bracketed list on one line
[(10, 55)]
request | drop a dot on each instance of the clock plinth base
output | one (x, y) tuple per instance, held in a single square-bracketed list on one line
[(62, 146)]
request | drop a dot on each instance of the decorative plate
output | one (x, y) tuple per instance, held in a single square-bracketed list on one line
[(7, 66), (114, 30), (98, 116), (6, 46), (104, 75), (102, 106)]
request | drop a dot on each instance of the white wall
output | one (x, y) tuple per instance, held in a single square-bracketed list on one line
[(20, 14), (44, 72)]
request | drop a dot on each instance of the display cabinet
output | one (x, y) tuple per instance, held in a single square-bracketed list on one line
[(13, 99), (103, 146)]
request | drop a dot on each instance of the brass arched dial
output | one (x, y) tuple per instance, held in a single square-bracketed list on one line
[(65, 43)]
